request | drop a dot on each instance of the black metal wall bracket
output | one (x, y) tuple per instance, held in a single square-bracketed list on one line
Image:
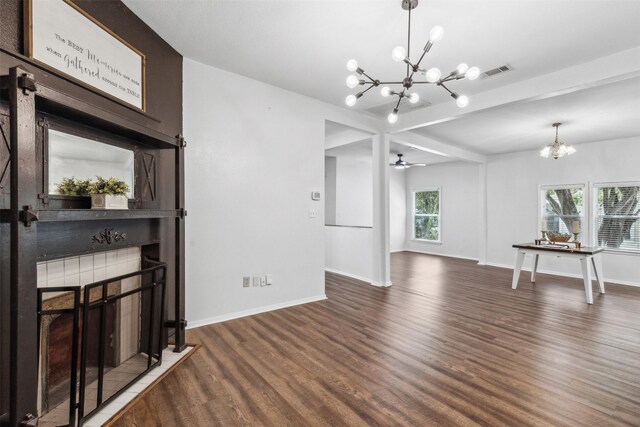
[(172, 323), (182, 143), (28, 215), (27, 84), (182, 212)]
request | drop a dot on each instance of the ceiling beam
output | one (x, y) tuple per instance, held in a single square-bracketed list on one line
[(412, 139), (605, 70)]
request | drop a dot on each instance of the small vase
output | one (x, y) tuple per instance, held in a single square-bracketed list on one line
[(107, 201)]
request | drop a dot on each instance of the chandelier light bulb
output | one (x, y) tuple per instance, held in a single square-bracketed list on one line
[(433, 75), (414, 97), (462, 68), (351, 100), (352, 81), (462, 101), (352, 65), (472, 73), (398, 54), (436, 33), (393, 117), (385, 91)]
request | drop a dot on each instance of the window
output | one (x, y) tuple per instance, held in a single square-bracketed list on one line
[(426, 215), (562, 206), (616, 222)]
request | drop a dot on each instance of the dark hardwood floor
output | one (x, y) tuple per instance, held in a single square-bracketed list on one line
[(448, 344)]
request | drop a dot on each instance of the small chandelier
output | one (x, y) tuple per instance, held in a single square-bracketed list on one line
[(557, 149), (400, 54)]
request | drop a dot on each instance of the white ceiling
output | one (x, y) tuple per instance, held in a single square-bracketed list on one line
[(303, 46), (594, 114), (362, 151)]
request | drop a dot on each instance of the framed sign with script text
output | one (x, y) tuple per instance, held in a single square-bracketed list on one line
[(61, 35)]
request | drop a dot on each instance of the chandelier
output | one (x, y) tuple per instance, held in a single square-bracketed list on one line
[(400, 54), (557, 149)]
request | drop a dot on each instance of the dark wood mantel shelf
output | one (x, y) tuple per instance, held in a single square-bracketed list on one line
[(61, 215)]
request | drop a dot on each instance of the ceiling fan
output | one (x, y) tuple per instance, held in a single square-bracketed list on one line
[(401, 164)]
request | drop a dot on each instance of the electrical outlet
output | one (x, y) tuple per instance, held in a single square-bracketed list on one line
[(269, 279), (256, 280), (263, 281), (246, 281), (313, 213)]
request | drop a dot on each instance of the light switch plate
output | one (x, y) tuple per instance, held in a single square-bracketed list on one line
[(246, 281), (315, 195)]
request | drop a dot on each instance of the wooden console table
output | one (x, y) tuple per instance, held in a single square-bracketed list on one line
[(586, 255)]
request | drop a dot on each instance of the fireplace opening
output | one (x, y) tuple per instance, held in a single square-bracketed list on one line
[(96, 338)]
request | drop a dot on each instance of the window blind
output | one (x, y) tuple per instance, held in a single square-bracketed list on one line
[(617, 217)]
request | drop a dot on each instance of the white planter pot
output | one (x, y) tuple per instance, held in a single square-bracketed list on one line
[(107, 201)]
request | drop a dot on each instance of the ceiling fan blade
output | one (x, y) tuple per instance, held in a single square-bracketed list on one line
[(417, 164)]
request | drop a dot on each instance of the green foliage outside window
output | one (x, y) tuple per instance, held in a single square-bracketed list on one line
[(427, 215)]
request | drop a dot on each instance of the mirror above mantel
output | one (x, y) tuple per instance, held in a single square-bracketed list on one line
[(82, 158)]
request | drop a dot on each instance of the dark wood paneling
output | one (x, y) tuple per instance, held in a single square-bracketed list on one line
[(163, 66), (62, 239), (448, 344)]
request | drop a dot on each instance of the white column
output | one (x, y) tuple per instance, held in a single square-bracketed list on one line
[(381, 226), (482, 214)]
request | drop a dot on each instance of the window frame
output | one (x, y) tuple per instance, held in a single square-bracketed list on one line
[(585, 234), (594, 187), (413, 214)]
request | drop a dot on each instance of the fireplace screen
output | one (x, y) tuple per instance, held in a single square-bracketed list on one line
[(97, 340)]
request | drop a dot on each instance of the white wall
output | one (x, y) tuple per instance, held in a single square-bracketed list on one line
[(513, 182), (255, 154), (397, 209), (459, 200), (354, 192), (348, 251)]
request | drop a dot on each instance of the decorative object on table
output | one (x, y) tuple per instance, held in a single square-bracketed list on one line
[(64, 37), (400, 54), (558, 237), (557, 149), (73, 187), (109, 193), (576, 233)]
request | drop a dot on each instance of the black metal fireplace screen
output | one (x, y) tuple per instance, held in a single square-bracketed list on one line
[(100, 368)]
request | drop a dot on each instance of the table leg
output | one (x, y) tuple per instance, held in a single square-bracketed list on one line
[(535, 267), (596, 260), (586, 274), (516, 271)]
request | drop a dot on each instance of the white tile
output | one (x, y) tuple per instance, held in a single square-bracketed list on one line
[(133, 253), (86, 263), (99, 274), (99, 260), (58, 281), (71, 266), (42, 273), (86, 277), (112, 257), (98, 420), (112, 270), (122, 255), (72, 280), (55, 269), (132, 266)]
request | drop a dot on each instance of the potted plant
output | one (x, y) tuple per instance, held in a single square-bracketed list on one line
[(108, 193), (73, 187)]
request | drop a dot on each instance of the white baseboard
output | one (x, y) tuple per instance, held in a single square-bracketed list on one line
[(562, 274), (362, 279), (252, 311), (440, 254)]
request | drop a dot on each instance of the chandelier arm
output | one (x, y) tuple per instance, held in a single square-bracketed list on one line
[(424, 83), (409, 39), (424, 52), (392, 83), (446, 88), (367, 89)]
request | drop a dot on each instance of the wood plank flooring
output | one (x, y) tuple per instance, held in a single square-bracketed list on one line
[(448, 344)]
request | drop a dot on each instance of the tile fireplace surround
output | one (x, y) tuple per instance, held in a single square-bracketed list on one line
[(85, 269)]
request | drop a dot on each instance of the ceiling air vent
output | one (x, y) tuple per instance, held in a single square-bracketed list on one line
[(495, 71), (384, 109)]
